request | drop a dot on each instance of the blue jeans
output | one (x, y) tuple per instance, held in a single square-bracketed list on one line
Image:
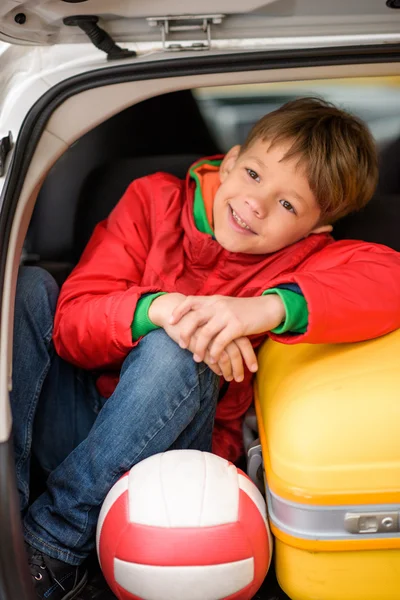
[(164, 400)]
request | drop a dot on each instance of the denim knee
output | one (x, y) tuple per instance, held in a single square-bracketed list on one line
[(165, 355), (165, 366), (36, 290)]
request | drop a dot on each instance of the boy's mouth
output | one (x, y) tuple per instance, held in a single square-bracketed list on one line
[(238, 222)]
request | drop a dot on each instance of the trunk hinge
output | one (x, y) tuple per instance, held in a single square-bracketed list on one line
[(99, 38), (172, 25)]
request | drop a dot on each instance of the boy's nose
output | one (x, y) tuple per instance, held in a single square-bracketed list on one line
[(257, 207)]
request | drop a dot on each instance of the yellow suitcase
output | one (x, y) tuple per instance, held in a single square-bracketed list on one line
[(329, 425)]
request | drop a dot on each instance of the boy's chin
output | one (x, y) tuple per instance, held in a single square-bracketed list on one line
[(228, 243), (233, 245)]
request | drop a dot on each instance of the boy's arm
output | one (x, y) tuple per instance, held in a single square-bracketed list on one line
[(295, 320), (352, 290), (95, 310)]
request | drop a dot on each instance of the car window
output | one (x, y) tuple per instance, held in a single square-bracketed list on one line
[(231, 111)]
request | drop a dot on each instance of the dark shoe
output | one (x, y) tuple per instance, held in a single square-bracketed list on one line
[(54, 579)]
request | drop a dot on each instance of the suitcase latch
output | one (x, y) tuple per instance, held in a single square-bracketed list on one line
[(379, 522)]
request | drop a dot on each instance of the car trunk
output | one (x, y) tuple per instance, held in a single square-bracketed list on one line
[(87, 112)]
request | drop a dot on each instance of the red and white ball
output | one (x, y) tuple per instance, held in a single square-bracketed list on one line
[(184, 525)]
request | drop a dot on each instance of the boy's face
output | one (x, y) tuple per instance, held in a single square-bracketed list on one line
[(264, 203)]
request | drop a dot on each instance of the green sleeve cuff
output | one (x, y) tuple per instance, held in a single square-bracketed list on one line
[(296, 320), (141, 324)]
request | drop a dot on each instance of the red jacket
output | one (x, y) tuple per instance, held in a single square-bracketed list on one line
[(150, 243)]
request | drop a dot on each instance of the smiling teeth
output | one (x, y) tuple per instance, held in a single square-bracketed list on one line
[(239, 220)]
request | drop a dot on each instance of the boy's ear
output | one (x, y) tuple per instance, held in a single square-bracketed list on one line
[(228, 162), (322, 229)]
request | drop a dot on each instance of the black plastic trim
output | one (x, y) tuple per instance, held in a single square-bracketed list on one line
[(15, 580), (13, 576)]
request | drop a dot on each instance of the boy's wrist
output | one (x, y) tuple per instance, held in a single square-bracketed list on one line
[(161, 308), (142, 324), (273, 311)]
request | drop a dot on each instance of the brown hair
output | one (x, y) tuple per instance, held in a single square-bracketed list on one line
[(336, 149)]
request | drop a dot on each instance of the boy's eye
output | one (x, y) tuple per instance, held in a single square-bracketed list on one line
[(286, 204), (253, 174)]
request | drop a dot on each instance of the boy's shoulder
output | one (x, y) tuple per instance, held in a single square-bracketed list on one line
[(155, 192)]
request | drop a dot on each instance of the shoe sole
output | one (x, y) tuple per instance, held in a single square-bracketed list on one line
[(73, 593)]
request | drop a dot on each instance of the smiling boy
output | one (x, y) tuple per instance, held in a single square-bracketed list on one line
[(263, 203), (174, 290)]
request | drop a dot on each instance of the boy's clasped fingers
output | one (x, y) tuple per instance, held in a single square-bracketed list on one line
[(214, 321), (232, 359), (213, 328), (188, 304), (231, 363), (247, 352), (193, 324), (215, 336), (194, 311)]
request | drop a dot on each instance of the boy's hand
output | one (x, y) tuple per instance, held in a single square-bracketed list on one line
[(230, 366), (218, 320)]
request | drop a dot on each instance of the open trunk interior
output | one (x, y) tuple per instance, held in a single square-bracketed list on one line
[(167, 130)]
